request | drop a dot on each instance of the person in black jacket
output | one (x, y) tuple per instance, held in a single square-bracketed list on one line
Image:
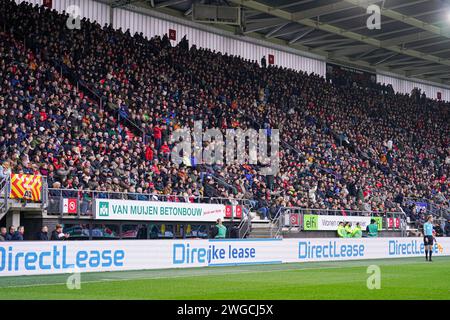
[(213, 231), (234, 232), (43, 234), (10, 235), (58, 234), (263, 62), (447, 228), (3, 234), (18, 235)]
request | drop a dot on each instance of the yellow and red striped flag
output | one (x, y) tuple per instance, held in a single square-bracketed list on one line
[(26, 186)]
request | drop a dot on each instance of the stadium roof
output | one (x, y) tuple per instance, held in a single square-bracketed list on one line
[(414, 39)]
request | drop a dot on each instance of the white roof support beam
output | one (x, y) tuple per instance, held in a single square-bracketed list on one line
[(365, 14), (285, 33), (425, 35), (339, 31), (385, 59), (293, 4), (393, 21), (121, 3), (364, 48), (336, 46), (169, 3), (261, 26), (317, 11), (430, 44), (365, 53), (275, 30), (412, 65), (382, 54), (301, 36), (404, 18), (441, 51), (309, 41), (429, 70)]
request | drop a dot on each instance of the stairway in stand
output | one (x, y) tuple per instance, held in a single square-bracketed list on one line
[(260, 228)]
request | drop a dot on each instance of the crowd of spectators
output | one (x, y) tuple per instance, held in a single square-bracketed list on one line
[(343, 148), (11, 234)]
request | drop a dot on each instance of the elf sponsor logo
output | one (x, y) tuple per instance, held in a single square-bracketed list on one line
[(332, 249), (410, 248), (57, 259), (213, 254), (310, 222)]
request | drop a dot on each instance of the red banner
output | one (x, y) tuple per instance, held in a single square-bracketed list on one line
[(172, 34), (47, 3), (397, 223), (390, 223), (238, 212), (228, 211), (70, 205), (294, 219)]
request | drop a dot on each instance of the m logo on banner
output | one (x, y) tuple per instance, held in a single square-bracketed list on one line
[(103, 209)]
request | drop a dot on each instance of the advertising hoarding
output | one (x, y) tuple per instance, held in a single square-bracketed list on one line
[(28, 258)]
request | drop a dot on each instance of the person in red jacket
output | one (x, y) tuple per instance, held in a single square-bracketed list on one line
[(149, 153), (157, 135), (165, 150)]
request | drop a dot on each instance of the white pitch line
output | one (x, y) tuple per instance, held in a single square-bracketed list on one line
[(165, 277), (190, 275)]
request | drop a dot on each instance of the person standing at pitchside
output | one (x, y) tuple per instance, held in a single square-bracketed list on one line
[(428, 237)]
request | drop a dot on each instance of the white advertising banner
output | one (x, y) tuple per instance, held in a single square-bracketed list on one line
[(108, 209), (28, 258), (313, 222), (335, 249), (332, 222)]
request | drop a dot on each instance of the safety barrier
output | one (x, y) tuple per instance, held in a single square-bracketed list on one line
[(324, 219), (51, 257), (80, 203)]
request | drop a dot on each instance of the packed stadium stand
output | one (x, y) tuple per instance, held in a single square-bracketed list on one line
[(94, 109)]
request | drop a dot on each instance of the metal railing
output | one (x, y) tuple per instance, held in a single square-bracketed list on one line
[(277, 225), (4, 195), (86, 199), (436, 209), (245, 226), (291, 217)]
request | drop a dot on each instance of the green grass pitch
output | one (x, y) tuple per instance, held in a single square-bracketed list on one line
[(408, 278)]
